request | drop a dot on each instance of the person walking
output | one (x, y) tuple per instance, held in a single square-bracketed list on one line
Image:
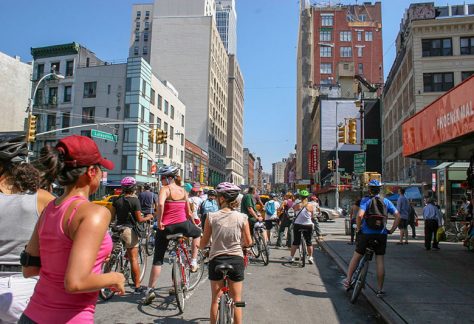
[(412, 220), (21, 204), (285, 220), (230, 233), (207, 206), (403, 207), (353, 224), (431, 215), (148, 201), (71, 239), (316, 214)]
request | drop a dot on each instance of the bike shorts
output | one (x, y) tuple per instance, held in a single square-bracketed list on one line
[(306, 234), (187, 228), (403, 223), (269, 223), (235, 275), (363, 241)]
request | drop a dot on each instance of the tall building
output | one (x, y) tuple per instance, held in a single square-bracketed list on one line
[(128, 99), (186, 49), (337, 44), (249, 165), (278, 172), (435, 48), (15, 78), (140, 38), (258, 174), (226, 20), (235, 123)]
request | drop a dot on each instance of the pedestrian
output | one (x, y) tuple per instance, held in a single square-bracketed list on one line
[(353, 215), (285, 220), (148, 201), (21, 203), (413, 220), (71, 239), (431, 215), (208, 205), (403, 207)]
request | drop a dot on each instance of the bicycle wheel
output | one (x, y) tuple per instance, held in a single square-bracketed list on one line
[(142, 258), (264, 252), (195, 277), (222, 312), (303, 252), (255, 248), (150, 242), (360, 280), (176, 275), (113, 265)]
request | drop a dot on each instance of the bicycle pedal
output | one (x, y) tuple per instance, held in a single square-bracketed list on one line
[(239, 304)]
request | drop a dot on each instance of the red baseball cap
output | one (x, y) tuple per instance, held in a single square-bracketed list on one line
[(82, 151)]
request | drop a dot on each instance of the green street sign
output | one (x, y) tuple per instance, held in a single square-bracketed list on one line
[(341, 169), (159, 162), (371, 141), (103, 135), (359, 162)]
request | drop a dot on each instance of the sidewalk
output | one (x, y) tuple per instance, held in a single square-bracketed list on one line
[(422, 286)]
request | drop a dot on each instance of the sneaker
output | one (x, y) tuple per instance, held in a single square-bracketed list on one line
[(310, 260), (150, 295), (139, 290), (380, 293), (291, 259), (194, 266)]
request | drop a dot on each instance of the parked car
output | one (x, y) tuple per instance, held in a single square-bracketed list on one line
[(107, 201), (328, 214)]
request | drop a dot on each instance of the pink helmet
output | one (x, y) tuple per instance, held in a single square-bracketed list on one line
[(128, 182), (228, 190)]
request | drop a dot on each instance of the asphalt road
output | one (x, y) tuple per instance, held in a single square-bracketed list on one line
[(277, 293)]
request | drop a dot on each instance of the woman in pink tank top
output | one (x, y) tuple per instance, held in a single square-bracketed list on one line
[(71, 239)]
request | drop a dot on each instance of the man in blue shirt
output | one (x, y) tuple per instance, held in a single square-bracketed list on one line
[(403, 207), (433, 219), (366, 234), (208, 206)]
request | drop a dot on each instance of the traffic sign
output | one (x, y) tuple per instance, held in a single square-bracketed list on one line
[(103, 135), (371, 141), (159, 162), (359, 162)]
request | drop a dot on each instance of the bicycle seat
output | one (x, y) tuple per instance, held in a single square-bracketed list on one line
[(174, 236), (224, 267), (301, 230)]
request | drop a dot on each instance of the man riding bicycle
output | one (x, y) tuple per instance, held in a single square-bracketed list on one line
[(371, 225)]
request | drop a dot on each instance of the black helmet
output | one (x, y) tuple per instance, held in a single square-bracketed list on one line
[(13, 147), (211, 192)]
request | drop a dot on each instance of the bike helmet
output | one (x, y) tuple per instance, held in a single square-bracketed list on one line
[(13, 148), (304, 193), (228, 190), (168, 171), (272, 195), (211, 192), (374, 183), (128, 182)]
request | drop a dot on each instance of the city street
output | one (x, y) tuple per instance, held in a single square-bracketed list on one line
[(277, 293)]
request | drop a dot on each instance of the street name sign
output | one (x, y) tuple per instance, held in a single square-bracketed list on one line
[(371, 141), (103, 135), (359, 162)]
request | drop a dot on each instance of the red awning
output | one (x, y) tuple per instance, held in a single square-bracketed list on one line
[(443, 130)]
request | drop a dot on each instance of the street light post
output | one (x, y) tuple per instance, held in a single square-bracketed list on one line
[(337, 163)]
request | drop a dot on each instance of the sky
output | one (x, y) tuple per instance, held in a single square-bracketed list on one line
[(266, 49)]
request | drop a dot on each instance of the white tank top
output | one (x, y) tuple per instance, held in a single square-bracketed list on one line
[(303, 217)]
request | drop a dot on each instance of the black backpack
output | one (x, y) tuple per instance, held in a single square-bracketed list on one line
[(376, 214)]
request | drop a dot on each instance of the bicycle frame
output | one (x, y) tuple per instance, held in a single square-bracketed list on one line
[(182, 257)]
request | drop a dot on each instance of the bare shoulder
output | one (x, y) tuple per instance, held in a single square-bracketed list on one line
[(94, 213), (44, 196)]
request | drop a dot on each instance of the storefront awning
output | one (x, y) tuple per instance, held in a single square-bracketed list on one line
[(443, 130)]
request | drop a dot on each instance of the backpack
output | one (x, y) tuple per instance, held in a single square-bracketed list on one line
[(270, 208), (376, 214), (139, 228)]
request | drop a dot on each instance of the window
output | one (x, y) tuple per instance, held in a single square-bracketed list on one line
[(126, 135), (359, 35), (345, 36), (66, 122), (182, 120), (435, 82), (145, 50), (55, 67), (171, 134), (137, 36), (158, 122), (139, 14), (326, 68), (363, 17), (135, 50), (124, 162), (147, 14), (346, 51), (151, 120), (140, 164), (361, 68), (88, 114), (182, 139), (88, 62), (165, 149), (172, 112), (128, 84), (126, 111), (143, 88), (368, 36), (350, 17), (182, 156), (160, 102), (147, 25), (39, 97), (166, 107), (137, 25), (107, 112), (437, 47), (467, 45), (165, 126), (327, 20), (90, 89), (145, 36), (39, 71), (51, 122), (466, 74), (152, 96), (53, 96), (67, 93), (171, 151), (325, 51), (142, 115), (325, 35), (69, 68)]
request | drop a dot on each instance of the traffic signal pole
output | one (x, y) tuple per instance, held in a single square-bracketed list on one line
[(337, 163)]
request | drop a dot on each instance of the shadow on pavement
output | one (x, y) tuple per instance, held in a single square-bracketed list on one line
[(309, 293)]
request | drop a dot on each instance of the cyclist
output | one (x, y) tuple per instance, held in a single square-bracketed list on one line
[(208, 205), (148, 201), (174, 216), (71, 239), (123, 208), (303, 220), (285, 221), (195, 201), (316, 213), (248, 207), (21, 203), (271, 213), (371, 225), (228, 228)]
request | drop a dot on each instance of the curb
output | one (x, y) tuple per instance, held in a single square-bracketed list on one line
[(388, 314)]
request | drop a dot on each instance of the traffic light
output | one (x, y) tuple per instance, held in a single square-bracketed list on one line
[(151, 135), (331, 165), (161, 136), (352, 131), (342, 134), (31, 135)]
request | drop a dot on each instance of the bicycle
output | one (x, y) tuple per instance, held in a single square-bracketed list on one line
[(260, 249), (150, 238), (183, 278), (454, 231), (303, 248), (119, 262), (360, 274), (225, 311)]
